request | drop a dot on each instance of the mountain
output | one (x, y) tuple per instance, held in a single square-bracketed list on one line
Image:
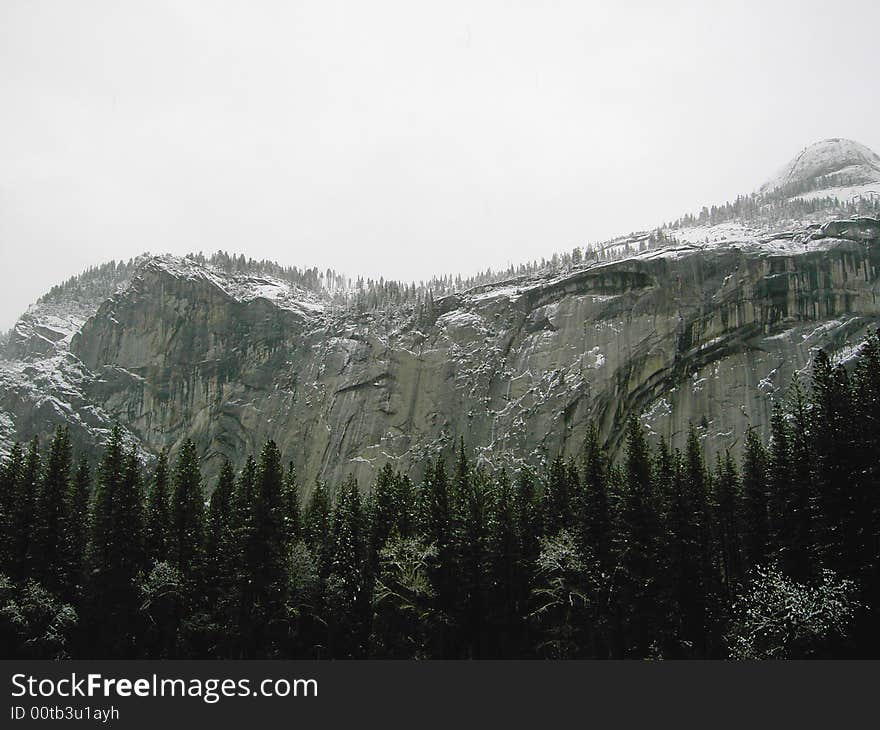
[(833, 163), (705, 320)]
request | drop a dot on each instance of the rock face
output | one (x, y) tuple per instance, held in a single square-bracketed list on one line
[(707, 334), (849, 162)]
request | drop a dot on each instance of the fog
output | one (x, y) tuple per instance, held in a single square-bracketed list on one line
[(400, 139)]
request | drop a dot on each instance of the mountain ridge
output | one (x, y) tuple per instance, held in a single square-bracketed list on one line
[(672, 327)]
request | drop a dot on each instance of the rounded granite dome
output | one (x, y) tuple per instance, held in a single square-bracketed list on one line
[(852, 162)]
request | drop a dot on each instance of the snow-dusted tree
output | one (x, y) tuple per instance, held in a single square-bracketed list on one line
[(406, 623), (779, 618), (562, 597), (34, 624)]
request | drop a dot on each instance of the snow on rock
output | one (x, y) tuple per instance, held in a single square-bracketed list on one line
[(671, 326), (844, 193), (842, 158), (241, 287)]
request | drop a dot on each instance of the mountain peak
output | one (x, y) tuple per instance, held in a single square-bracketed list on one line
[(850, 162)]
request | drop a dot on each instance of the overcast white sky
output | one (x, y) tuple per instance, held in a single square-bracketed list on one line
[(400, 138)]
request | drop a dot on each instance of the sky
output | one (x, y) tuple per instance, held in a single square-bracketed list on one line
[(400, 139)]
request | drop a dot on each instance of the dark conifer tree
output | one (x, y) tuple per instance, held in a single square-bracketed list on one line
[(800, 513), (110, 595), (594, 510), (556, 499), (185, 623), (836, 479), (471, 551), (76, 528), (316, 525), (384, 512), (780, 487), (220, 562), (10, 477), (290, 498), (728, 512), (242, 503), (865, 492), (158, 525), (47, 550), (696, 610), (528, 519), (347, 598), (688, 525), (756, 526), (267, 556), (129, 516), (436, 524), (242, 529), (638, 547), (187, 513), (406, 513), (505, 564), (24, 509)]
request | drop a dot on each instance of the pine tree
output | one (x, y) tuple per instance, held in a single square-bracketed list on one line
[(47, 549), (802, 552), (76, 527), (728, 511), (595, 506), (129, 516), (267, 555), (316, 524), (471, 547), (10, 477), (220, 561), (187, 515), (158, 525), (24, 509), (638, 548), (406, 512), (690, 561), (110, 594), (864, 528), (756, 525), (528, 529), (504, 570), (836, 480), (556, 499), (242, 530), (383, 513), (348, 601), (528, 519), (698, 487), (292, 516), (405, 620), (780, 485), (562, 597), (436, 524)]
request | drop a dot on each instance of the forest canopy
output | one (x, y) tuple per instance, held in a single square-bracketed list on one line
[(772, 552)]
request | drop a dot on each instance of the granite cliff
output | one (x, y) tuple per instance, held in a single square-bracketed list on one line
[(708, 326)]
